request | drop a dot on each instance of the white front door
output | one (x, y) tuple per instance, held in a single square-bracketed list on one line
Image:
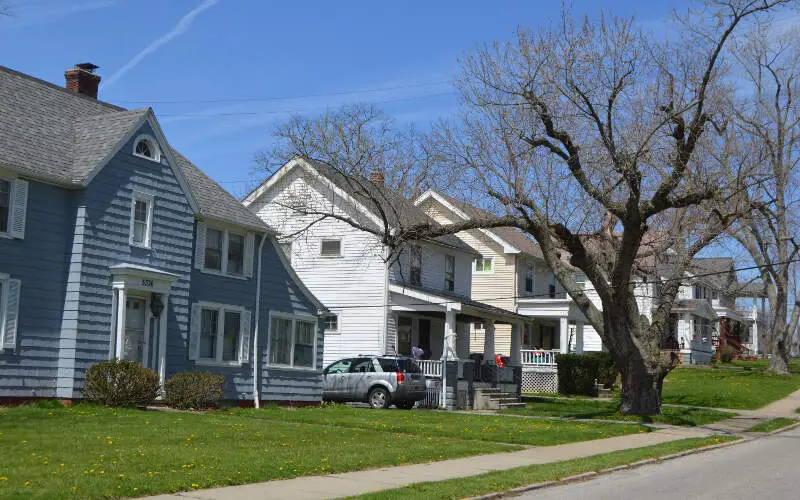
[(134, 341)]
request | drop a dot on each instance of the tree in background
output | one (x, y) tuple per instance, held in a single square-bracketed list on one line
[(767, 128), (606, 146)]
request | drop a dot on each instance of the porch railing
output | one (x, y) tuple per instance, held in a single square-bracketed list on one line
[(430, 367), (538, 357)]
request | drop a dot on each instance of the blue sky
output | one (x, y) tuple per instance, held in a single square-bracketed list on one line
[(237, 67)]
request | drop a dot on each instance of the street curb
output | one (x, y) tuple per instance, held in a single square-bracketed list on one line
[(592, 474)]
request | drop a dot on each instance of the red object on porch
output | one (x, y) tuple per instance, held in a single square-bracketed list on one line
[(499, 360)]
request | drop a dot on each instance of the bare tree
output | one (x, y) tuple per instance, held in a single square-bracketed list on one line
[(608, 148), (767, 122)]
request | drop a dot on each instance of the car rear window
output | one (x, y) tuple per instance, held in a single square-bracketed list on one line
[(399, 365)]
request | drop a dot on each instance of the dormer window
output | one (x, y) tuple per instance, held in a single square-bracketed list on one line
[(146, 147)]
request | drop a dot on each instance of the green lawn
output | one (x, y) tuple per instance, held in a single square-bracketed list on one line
[(739, 389), (763, 364), (450, 425), (609, 410), (88, 451), (772, 425), (515, 478)]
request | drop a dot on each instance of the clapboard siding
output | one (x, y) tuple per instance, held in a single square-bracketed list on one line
[(433, 268), (39, 261), (360, 269), (106, 232)]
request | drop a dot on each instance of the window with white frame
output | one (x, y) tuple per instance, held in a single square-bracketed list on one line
[(220, 333), (141, 219), (330, 248), (530, 278), (416, 265), (224, 251), (449, 273), (484, 264), (146, 147), (292, 341), (332, 323)]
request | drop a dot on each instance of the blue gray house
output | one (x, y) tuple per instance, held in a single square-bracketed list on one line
[(114, 245)]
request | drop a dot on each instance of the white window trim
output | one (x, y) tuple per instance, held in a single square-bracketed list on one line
[(475, 262), (221, 309), (446, 258), (530, 270), (4, 279), (153, 144), (138, 196), (295, 318), (338, 327), (336, 256), (223, 271)]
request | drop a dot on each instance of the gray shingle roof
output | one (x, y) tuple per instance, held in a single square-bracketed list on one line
[(510, 235), (716, 271), (214, 201), (399, 210), (55, 135)]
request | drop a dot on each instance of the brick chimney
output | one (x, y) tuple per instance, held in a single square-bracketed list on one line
[(377, 177), (82, 80)]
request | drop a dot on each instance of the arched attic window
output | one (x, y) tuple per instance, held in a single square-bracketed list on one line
[(146, 147)]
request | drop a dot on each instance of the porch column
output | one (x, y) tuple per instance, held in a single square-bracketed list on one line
[(120, 329), (488, 342), (162, 339), (449, 347), (516, 334), (564, 331), (579, 337)]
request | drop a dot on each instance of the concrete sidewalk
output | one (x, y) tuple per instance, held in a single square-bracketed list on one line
[(360, 482)]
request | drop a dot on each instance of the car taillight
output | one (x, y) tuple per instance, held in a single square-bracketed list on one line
[(400, 377)]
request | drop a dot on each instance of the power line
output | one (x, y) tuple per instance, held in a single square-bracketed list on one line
[(456, 300), (283, 98), (290, 111)]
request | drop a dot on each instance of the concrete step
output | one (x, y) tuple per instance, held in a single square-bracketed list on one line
[(504, 406)]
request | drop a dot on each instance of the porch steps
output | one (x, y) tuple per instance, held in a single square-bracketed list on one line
[(495, 398)]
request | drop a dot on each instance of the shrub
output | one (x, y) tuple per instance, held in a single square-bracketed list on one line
[(577, 372), (727, 353), (120, 383), (194, 390)]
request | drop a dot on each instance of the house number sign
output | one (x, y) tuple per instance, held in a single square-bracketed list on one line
[(147, 283)]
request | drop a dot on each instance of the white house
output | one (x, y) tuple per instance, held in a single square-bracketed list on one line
[(381, 303)]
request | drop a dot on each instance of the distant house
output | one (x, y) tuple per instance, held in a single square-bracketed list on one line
[(113, 245), (381, 303)]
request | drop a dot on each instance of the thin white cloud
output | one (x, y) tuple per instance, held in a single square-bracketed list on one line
[(179, 29), (21, 15)]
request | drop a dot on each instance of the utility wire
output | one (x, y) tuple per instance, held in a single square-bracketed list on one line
[(283, 98), (455, 300)]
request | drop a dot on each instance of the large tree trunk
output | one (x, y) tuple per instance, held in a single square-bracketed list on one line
[(638, 358), (779, 346), (641, 390)]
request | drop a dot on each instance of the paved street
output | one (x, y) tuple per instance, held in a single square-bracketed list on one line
[(766, 468)]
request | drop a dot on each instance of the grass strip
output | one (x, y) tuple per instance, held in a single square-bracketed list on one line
[(772, 425), (494, 428), (93, 452), (609, 410), (738, 389), (522, 476)]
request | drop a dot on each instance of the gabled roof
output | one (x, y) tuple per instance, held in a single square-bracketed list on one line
[(510, 237), (716, 271), (54, 135), (398, 210)]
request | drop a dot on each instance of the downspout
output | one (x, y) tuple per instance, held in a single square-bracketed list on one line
[(255, 360)]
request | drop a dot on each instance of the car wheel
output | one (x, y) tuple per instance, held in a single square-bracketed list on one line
[(405, 405), (378, 398)]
